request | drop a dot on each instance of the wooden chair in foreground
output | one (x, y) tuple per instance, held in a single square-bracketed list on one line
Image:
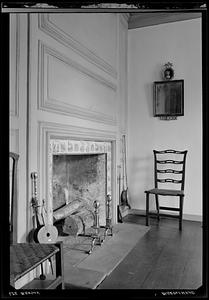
[(166, 162), (25, 257)]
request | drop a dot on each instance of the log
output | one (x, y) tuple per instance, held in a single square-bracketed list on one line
[(66, 210), (72, 225), (78, 222), (85, 203), (87, 217)]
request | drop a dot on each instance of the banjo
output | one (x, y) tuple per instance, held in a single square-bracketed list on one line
[(43, 234)]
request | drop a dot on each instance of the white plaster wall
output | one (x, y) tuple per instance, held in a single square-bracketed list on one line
[(148, 50)]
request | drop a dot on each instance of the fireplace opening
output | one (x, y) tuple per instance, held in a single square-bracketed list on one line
[(77, 181)]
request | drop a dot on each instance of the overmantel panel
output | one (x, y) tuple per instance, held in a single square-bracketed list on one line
[(67, 87), (96, 44)]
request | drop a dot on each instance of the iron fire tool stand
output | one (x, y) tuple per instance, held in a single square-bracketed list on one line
[(96, 238), (108, 226)]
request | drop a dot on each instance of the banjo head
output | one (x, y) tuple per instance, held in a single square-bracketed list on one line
[(47, 234)]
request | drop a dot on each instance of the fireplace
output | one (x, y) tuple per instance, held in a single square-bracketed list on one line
[(81, 171), (79, 177)]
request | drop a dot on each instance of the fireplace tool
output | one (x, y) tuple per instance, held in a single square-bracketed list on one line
[(108, 226), (96, 237)]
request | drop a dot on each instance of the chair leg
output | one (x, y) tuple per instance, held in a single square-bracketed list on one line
[(181, 200), (157, 206), (147, 209)]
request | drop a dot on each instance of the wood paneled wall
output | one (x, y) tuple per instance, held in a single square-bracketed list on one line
[(74, 68)]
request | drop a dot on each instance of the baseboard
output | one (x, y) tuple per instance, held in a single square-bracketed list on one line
[(188, 217), (196, 218)]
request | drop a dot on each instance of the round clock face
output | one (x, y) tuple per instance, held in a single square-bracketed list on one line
[(168, 73)]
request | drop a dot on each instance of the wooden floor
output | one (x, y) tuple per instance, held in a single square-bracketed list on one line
[(164, 258)]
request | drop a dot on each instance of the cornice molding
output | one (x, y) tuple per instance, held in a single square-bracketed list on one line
[(141, 20), (124, 19)]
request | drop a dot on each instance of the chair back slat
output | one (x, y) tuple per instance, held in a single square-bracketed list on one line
[(169, 180), (170, 162), (170, 171), (169, 151)]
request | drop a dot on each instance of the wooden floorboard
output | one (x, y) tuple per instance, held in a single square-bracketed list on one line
[(165, 258)]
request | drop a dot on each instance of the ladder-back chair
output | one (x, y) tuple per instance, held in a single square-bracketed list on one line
[(166, 162)]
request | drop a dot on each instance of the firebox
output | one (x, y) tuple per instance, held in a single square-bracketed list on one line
[(80, 174), (80, 177)]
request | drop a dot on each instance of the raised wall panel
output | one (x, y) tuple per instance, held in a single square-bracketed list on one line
[(14, 140), (14, 66), (96, 44), (13, 147), (18, 112), (122, 72), (67, 87)]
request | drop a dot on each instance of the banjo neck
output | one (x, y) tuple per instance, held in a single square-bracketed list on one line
[(34, 201), (35, 207)]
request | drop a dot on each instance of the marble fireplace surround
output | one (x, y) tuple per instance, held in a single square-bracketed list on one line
[(55, 139)]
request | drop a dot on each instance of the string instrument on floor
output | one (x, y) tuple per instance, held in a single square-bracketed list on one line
[(124, 194), (43, 233)]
